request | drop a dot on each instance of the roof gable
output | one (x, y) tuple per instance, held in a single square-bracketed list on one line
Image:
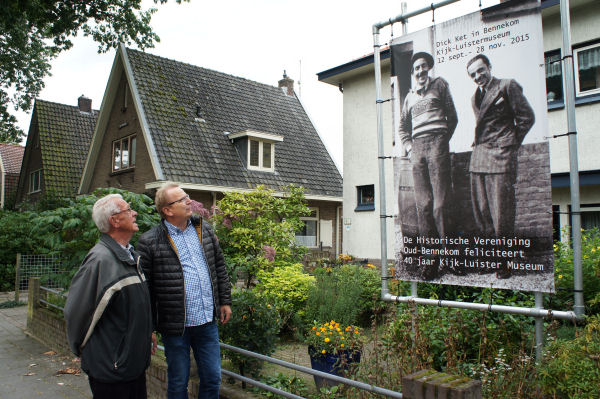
[(189, 111), (11, 156), (65, 134)]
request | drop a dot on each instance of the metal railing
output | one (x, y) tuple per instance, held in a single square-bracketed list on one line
[(346, 381)]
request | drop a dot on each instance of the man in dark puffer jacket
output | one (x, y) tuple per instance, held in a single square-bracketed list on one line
[(189, 289)]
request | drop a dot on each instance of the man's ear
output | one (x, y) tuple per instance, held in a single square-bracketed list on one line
[(167, 212), (114, 223)]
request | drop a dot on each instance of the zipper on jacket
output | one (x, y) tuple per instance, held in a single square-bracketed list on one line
[(174, 249)]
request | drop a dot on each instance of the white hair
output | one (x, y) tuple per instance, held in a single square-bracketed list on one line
[(103, 209)]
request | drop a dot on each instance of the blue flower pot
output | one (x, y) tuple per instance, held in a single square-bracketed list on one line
[(336, 364)]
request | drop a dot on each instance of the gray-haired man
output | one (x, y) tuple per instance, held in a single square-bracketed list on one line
[(108, 312)]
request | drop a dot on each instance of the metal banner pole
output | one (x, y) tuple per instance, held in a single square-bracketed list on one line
[(569, 83), (381, 158)]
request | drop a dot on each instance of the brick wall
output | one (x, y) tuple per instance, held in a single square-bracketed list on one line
[(123, 122)]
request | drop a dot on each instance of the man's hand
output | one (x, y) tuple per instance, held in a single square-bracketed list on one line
[(154, 344), (225, 313)]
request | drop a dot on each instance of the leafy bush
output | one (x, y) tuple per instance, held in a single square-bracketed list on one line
[(571, 368), (7, 277), (291, 384), (17, 235), (254, 325), (287, 287), (256, 230), (590, 264), (344, 293)]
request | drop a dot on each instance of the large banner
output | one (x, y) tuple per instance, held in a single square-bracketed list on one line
[(471, 161)]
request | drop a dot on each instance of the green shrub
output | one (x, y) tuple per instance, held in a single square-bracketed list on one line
[(287, 287), (7, 277), (17, 235), (590, 264), (256, 230), (254, 325), (571, 368), (291, 384), (346, 293)]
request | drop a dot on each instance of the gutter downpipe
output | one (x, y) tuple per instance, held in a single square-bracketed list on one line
[(569, 83)]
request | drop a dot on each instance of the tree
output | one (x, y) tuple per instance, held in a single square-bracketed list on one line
[(34, 32), (256, 230)]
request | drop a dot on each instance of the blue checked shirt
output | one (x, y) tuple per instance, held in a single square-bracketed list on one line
[(198, 290)]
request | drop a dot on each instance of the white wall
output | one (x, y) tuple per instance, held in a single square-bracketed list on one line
[(361, 236), (585, 22)]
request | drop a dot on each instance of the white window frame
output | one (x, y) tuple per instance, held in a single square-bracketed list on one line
[(131, 152), (32, 179), (261, 144), (578, 92), (314, 218), (262, 138)]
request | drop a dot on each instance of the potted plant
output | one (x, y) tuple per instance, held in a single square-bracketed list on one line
[(333, 348)]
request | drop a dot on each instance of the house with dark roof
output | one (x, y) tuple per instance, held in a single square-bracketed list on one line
[(212, 133), (11, 156), (57, 145)]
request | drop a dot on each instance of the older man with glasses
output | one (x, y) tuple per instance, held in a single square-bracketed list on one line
[(190, 290), (108, 311)]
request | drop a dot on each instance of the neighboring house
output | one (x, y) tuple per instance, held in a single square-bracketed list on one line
[(57, 145), (11, 156), (212, 133), (361, 191)]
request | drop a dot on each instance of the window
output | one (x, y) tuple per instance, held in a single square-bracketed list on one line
[(260, 155), (587, 70), (35, 181), (123, 153), (365, 196), (257, 149), (308, 234), (590, 216), (554, 90)]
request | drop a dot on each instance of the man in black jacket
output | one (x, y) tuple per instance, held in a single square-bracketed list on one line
[(189, 290), (108, 308)]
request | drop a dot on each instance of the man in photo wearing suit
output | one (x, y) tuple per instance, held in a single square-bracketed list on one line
[(427, 122), (503, 118)]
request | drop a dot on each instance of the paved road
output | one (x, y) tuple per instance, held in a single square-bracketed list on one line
[(27, 369)]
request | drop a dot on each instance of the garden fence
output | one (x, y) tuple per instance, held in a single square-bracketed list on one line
[(43, 266)]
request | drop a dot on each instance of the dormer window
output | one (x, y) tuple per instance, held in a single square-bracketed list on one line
[(257, 149)]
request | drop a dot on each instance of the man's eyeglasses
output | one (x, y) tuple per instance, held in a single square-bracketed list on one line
[(185, 198), (124, 210)]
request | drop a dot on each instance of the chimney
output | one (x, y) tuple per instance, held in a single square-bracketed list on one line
[(287, 85), (84, 104)]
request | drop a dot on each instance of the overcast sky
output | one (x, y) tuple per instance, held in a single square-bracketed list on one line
[(256, 40)]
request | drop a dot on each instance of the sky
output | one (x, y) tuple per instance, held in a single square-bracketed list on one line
[(256, 40)]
